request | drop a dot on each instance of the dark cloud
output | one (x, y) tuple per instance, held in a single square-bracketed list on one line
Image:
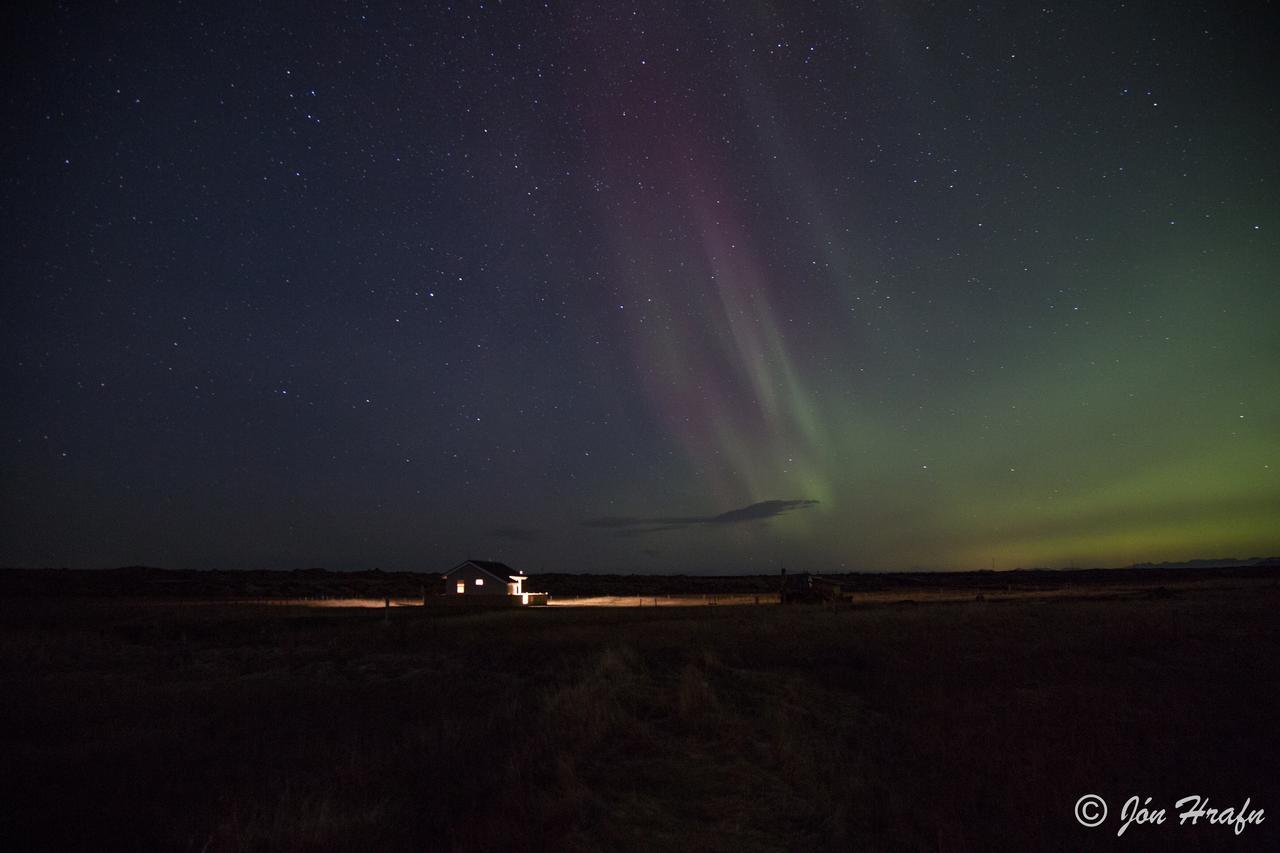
[(516, 534), (631, 525), (764, 509)]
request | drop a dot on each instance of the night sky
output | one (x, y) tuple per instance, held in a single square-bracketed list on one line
[(670, 287)]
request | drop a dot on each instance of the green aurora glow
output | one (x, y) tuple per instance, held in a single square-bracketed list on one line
[(691, 288)]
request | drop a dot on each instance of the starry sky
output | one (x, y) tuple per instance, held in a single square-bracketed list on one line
[(653, 287)]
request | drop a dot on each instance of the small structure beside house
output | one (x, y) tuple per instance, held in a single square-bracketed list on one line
[(804, 588), (796, 587), (488, 582)]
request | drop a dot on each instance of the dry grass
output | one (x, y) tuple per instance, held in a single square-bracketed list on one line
[(971, 726)]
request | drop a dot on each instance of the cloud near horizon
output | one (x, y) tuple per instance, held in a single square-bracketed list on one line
[(627, 525)]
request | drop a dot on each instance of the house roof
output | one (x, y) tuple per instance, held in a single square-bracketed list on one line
[(501, 571)]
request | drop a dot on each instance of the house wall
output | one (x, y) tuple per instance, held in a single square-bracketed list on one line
[(469, 575)]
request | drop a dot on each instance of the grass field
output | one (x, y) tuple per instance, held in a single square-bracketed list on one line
[(932, 725)]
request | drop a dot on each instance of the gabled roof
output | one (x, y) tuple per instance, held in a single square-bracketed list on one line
[(501, 571)]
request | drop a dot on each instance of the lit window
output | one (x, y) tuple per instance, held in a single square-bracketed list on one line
[(479, 581), (462, 586)]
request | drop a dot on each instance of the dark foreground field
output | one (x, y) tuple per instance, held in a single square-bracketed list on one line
[(949, 726)]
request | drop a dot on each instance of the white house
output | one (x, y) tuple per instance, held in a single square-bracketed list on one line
[(489, 579)]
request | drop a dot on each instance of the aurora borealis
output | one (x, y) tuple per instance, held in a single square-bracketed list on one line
[(659, 288)]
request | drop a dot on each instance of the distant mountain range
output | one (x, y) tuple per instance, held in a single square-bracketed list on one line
[(1222, 562)]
